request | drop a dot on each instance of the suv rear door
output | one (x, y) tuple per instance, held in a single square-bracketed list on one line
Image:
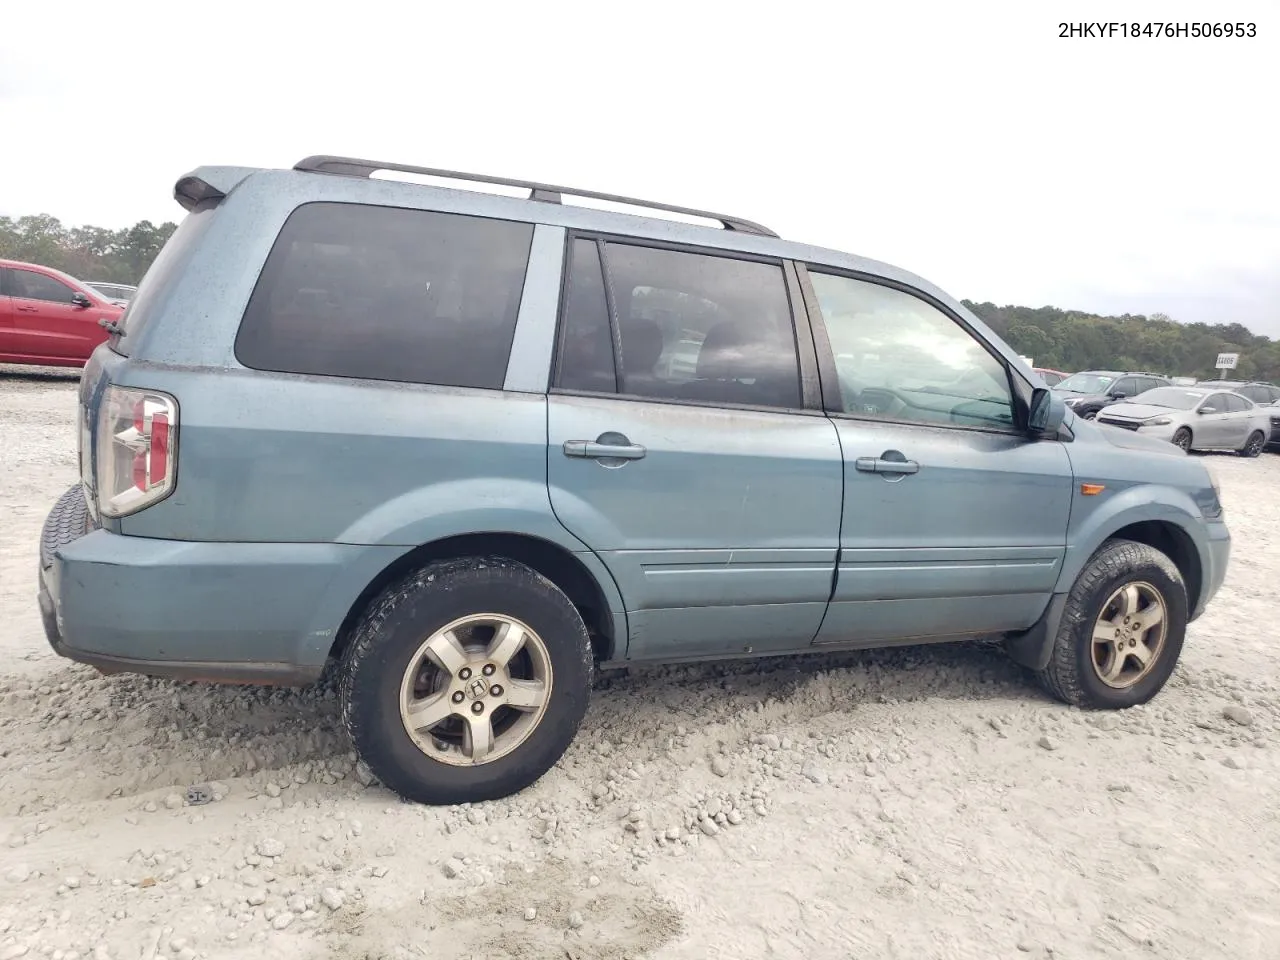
[(954, 521), (681, 450)]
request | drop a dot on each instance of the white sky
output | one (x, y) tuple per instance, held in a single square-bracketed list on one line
[(962, 140)]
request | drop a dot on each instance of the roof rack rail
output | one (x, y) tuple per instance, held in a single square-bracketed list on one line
[(548, 193)]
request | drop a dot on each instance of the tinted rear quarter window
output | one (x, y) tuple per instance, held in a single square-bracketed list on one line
[(384, 293)]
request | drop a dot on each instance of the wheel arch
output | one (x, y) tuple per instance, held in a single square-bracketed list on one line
[(595, 601), (1176, 544), (1166, 529)]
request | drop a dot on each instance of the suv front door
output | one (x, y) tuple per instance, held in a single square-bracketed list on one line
[(954, 521), (681, 450)]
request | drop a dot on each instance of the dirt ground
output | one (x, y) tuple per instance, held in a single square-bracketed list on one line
[(925, 802)]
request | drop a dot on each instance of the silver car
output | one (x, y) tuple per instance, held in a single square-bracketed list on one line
[(120, 293), (1194, 419)]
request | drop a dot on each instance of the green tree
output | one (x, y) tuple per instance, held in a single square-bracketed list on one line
[(1073, 340), (87, 253)]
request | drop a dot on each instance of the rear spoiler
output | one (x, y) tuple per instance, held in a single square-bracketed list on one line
[(208, 183)]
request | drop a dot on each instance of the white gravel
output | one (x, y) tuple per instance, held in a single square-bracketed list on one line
[(916, 803)]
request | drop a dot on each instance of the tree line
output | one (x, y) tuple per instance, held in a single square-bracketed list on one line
[(86, 253), (1067, 340), (1072, 340)]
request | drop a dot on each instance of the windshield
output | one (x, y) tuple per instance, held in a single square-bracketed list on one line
[(1086, 383), (1172, 397)]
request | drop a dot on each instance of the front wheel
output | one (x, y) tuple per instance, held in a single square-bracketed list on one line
[(1253, 446), (1182, 439), (467, 681), (1122, 629)]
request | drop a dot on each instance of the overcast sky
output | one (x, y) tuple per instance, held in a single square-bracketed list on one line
[(964, 141)]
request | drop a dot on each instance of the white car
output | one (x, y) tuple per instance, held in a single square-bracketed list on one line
[(1194, 418)]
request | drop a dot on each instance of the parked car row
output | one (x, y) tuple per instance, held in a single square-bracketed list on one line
[(1195, 418), (1243, 416)]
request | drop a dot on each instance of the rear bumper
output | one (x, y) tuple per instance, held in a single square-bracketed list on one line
[(233, 612)]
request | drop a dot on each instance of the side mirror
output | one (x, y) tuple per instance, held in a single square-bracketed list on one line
[(1046, 414), (1207, 409), (1117, 395), (80, 300)]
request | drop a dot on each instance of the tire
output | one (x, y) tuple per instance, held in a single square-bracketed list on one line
[(1077, 665), (1253, 446), (436, 765), (1090, 414), (68, 521), (1182, 438)]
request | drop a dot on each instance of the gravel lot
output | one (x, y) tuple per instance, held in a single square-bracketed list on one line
[(924, 802)]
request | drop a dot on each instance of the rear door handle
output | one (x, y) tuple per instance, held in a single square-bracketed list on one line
[(594, 450), (884, 464)]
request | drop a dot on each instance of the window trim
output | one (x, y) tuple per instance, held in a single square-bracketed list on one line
[(611, 313), (806, 359), (833, 402)]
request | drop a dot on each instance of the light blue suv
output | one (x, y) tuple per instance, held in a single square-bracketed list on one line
[(469, 447)]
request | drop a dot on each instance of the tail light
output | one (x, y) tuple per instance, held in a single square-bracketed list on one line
[(137, 449)]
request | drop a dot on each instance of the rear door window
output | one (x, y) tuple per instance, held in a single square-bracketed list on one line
[(697, 327), (384, 293), (1236, 403)]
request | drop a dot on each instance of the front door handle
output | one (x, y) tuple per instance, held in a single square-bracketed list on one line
[(22, 308), (595, 450), (889, 462)]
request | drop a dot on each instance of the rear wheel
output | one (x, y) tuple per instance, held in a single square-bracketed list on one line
[(467, 681), (1122, 629), (1182, 439), (1253, 446)]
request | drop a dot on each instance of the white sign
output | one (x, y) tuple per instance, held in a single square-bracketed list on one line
[(1227, 361)]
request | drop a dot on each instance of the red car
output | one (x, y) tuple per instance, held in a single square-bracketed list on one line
[(49, 318)]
